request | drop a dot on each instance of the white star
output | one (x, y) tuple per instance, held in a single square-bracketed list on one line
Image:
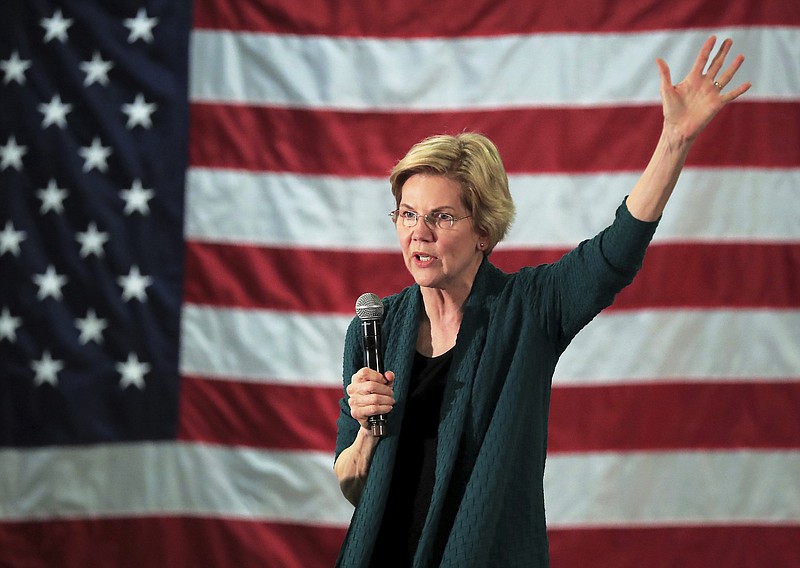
[(136, 198), (49, 283), (95, 156), (11, 154), (10, 239), (92, 241), (134, 285), (96, 70), (139, 112), (132, 372), (55, 112), (14, 68), (91, 328), (9, 325), (46, 369), (141, 27), (52, 198), (56, 27)]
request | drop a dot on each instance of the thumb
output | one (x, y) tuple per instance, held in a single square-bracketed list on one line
[(664, 73)]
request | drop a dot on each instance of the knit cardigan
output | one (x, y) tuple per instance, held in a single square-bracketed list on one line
[(492, 437)]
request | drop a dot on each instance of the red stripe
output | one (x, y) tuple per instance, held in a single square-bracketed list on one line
[(166, 541), (530, 140), (668, 547), (590, 418), (675, 416), (697, 275), (450, 18), (278, 417), (214, 542)]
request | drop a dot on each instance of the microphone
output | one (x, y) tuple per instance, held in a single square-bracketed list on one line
[(369, 309)]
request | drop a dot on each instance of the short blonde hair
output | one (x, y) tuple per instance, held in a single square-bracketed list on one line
[(473, 162)]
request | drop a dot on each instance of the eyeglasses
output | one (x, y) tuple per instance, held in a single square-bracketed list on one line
[(437, 218)]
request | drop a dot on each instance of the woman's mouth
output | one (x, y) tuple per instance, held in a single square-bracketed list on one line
[(422, 259)]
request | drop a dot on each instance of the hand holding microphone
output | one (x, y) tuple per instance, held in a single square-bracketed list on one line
[(370, 390)]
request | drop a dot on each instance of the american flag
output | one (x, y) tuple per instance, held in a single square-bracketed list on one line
[(192, 196)]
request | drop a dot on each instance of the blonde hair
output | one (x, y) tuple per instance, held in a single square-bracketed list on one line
[(473, 162)]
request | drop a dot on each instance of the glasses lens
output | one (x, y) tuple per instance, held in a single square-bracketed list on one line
[(444, 220)]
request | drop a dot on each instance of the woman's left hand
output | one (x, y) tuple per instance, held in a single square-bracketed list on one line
[(691, 104)]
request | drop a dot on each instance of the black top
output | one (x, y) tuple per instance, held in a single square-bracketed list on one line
[(412, 480)]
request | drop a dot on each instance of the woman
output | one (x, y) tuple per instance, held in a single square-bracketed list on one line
[(458, 479)]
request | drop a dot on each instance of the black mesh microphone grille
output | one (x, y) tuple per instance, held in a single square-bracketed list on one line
[(369, 307)]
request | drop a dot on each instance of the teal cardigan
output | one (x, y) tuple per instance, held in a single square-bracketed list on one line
[(492, 437)]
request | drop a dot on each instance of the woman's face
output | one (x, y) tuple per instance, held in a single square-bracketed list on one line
[(438, 257)]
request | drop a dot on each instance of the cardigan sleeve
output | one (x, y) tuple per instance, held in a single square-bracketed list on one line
[(352, 361), (573, 290)]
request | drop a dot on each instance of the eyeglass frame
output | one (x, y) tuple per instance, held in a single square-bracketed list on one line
[(431, 219)]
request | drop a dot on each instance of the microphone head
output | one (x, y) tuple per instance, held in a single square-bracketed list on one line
[(369, 307)]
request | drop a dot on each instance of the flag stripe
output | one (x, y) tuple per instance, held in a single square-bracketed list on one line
[(204, 541), (749, 546), (351, 144), (172, 479), (646, 346), (726, 416), (650, 488), (674, 416), (280, 417), (452, 18), (553, 210), (490, 72), (247, 484), (710, 276), (168, 541)]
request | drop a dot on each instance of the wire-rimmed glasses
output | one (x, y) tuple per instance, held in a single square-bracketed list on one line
[(437, 219)]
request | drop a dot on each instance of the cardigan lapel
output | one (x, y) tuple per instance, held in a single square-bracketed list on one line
[(402, 325), (458, 393)]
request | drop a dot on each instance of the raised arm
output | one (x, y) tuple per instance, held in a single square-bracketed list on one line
[(688, 108)]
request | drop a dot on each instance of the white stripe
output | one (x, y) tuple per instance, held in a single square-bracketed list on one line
[(262, 345), (333, 213), (136, 480), (684, 345), (685, 488), (478, 72), (617, 347), (131, 480)]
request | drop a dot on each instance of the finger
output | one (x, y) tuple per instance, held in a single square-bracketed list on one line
[(664, 73), (702, 57), (368, 388), (371, 404), (719, 58), (367, 374), (738, 91), (361, 408), (728, 74)]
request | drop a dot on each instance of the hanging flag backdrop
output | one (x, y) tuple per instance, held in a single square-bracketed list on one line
[(192, 197)]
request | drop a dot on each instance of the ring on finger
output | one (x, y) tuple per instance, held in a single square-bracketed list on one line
[(718, 85)]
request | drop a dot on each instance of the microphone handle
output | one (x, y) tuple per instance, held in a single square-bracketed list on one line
[(373, 359)]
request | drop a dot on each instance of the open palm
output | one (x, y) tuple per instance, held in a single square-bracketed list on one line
[(691, 104)]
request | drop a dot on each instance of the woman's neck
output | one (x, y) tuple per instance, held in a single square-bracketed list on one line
[(441, 320)]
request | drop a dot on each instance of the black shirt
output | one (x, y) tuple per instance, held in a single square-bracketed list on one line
[(412, 480)]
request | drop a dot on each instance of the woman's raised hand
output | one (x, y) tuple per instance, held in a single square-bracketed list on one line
[(691, 104)]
